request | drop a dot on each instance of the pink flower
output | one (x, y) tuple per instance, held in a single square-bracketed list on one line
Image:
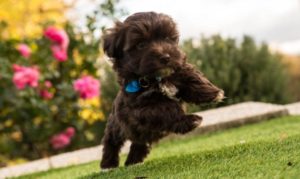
[(44, 90), (24, 50), (87, 86), (24, 76), (48, 84), (45, 94), (59, 53), (62, 139), (60, 44), (70, 132), (57, 36), (17, 68)]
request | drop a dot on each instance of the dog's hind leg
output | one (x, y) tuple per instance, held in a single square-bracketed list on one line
[(137, 153), (112, 143)]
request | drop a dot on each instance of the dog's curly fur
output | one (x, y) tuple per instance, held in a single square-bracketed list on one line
[(143, 44)]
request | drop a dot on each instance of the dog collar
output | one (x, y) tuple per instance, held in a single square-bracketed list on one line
[(133, 86), (145, 81)]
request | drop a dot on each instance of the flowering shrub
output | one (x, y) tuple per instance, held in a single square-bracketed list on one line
[(49, 89)]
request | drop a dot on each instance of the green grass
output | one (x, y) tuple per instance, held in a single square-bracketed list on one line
[(269, 149)]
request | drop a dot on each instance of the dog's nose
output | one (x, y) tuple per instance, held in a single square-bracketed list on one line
[(165, 58)]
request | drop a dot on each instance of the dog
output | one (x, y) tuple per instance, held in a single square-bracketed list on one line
[(155, 79)]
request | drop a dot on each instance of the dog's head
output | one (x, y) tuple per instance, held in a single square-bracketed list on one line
[(144, 43)]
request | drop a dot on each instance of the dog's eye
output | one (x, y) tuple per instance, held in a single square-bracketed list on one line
[(141, 45)]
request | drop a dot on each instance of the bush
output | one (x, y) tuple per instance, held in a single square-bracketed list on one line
[(38, 99), (50, 96), (246, 71)]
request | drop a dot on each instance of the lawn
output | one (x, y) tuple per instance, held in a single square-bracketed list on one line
[(270, 149)]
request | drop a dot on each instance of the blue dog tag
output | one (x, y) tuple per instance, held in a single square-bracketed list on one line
[(133, 87)]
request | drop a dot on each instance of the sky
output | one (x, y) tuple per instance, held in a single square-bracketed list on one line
[(276, 22)]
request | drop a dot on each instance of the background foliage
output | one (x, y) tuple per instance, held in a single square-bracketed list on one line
[(27, 120), (29, 15), (246, 71)]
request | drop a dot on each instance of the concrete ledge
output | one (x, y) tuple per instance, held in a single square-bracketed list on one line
[(81, 156), (31, 167), (294, 108), (76, 157), (215, 119), (237, 115), (58, 161)]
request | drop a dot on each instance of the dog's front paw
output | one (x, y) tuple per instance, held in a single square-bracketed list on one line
[(220, 96), (188, 123)]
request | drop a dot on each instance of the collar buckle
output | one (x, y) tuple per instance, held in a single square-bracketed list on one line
[(144, 82)]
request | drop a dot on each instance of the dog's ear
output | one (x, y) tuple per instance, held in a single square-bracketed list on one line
[(113, 41)]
